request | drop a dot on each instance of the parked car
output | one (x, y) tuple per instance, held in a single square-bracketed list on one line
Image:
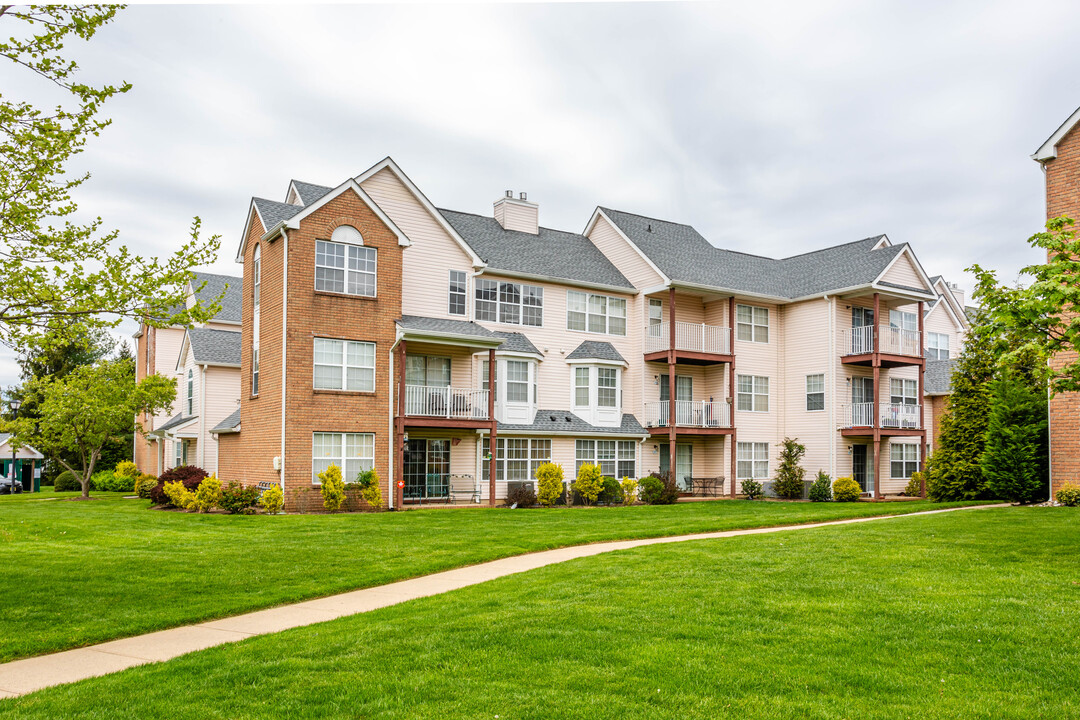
[(9, 486)]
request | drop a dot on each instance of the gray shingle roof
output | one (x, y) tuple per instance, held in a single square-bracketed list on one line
[(591, 349), (548, 422), (215, 347), (229, 424), (309, 192), (272, 212), (233, 287), (444, 326), (684, 255), (937, 378), (517, 342), (175, 421), (552, 253)]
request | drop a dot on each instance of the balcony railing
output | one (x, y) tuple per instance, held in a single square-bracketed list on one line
[(689, 413), (891, 415), (446, 402), (692, 337), (891, 340)]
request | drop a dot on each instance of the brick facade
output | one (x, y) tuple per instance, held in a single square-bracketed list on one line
[(247, 456), (1063, 198)]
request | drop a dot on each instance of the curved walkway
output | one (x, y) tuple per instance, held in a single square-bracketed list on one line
[(23, 676)]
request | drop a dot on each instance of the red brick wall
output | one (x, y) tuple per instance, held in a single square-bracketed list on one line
[(1063, 198), (145, 450), (248, 457)]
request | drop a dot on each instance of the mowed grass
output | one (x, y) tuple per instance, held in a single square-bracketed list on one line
[(75, 573), (962, 615)]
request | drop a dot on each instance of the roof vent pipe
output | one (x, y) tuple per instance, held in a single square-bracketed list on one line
[(524, 196), (510, 194)]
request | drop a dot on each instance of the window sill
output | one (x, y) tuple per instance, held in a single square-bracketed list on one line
[(350, 296), (328, 391)]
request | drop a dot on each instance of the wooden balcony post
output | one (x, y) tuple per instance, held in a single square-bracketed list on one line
[(493, 462), (922, 400), (399, 436), (671, 383), (876, 329), (877, 466), (731, 385)]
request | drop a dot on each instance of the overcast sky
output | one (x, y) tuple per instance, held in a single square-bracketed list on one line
[(773, 128)]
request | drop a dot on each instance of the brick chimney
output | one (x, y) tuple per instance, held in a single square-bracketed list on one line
[(518, 213)]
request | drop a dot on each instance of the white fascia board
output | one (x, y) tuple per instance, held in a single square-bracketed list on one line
[(555, 281), (185, 347), (1048, 150), (906, 250), (253, 210), (449, 339), (955, 309), (884, 242), (389, 164), (293, 223), (597, 361), (597, 214), (293, 191)]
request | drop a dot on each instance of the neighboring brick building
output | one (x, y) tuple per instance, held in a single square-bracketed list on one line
[(455, 352), (1060, 160)]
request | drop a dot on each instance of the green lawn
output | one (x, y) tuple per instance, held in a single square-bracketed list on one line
[(964, 615), (76, 573)]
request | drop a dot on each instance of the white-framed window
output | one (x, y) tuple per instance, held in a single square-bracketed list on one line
[(595, 313), (256, 272), (903, 391), (607, 380), (616, 458), (344, 365), (352, 452), (937, 346), (510, 303), (903, 320), (752, 393), (516, 458), (581, 386), (427, 370), (656, 311), (345, 267), (517, 381), (181, 452), (255, 371), (458, 281), (752, 461), (752, 323), (485, 366), (903, 460), (190, 392), (815, 392)]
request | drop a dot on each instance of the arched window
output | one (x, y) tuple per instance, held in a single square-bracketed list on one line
[(347, 234), (190, 392)]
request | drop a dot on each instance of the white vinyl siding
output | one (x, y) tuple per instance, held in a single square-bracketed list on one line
[(815, 392), (752, 461), (752, 393), (344, 365), (595, 313), (752, 323), (352, 452)]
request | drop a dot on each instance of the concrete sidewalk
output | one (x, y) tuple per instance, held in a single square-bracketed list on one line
[(23, 676)]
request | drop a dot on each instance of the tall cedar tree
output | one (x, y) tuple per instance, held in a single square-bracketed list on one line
[(1015, 462), (954, 469), (789, 476)]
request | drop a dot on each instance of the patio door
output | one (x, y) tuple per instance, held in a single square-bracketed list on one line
[(861, 468), (684, 397), (427, 468), (862, 402), (684, 463)]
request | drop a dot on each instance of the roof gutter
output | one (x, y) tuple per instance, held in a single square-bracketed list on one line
[(557, 281)]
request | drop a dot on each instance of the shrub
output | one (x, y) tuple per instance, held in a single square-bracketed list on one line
[(272, 500), (845, 489), (66, 482), (1068, 494), (178, 495), (549, 483), (109, 481), (612, 492), (914, 485), (821, 490), (659, 490), (589, 483), (521, 495), (789, 476), (629, 490), (368, 483), (333, 488), (143, 484), (126, 468), (208, 495), (752, 489), (238, 500), (1016, 456), (189, 475)]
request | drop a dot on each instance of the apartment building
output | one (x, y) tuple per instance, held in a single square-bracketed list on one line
[(1059, 157), (205, 361), (455, 352)]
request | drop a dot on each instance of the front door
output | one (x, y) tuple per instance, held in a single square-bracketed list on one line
[(684, 463), (861, 468), (427, 468)]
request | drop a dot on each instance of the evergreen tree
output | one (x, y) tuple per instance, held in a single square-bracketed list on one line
[(1016, 458), (954, 470), (789, 476)]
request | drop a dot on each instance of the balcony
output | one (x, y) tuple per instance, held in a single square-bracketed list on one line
[(700, 417), (893, 419), (454, 407), (695, 343), (894, 346)]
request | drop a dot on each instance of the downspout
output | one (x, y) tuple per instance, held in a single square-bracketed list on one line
[(830, 382), (284, 349), (394, 440), (202, 420)]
